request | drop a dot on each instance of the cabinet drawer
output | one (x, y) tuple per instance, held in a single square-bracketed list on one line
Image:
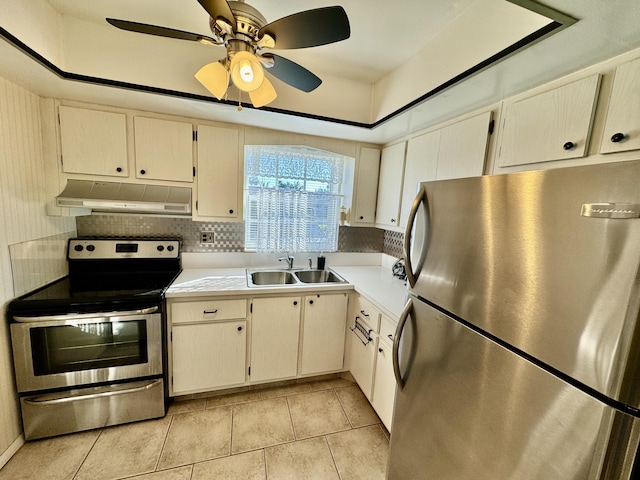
[(367, 313), (387, 329), (208, 311)]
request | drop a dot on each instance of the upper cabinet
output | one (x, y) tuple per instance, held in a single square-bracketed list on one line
[(163, 149), (363, 212), (390, 185), (463, 148), (622, 124), (553, 125), (420, 166), (455, 151), (108, 143), (219, 174), (93, 142)]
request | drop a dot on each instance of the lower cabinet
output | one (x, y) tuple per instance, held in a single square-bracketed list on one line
[(324, 326), (370, 361), (362, 360), (275, 330), (217, 343), (384, 384), (207, 356)]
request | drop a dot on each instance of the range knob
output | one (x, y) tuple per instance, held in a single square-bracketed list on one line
[(160, 248), (78, 248), (91, 248), (170, 248)]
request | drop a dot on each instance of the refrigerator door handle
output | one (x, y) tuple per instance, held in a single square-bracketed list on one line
[(421, 197), (396, 343)]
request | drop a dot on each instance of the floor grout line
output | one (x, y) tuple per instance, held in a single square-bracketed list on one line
[(87, 454)]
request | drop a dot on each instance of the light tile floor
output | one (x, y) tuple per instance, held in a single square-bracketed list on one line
[(318, 430)]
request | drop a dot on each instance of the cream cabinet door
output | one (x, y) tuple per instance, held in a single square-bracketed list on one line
[(420, 166), (207, 356), (622, 125), (362, 356), (390, 185), (324, 325), (164, 149), (463, 148), (219, 173), (366, 192), (93, 142), (384, 385), (275, 329), (554, 125)]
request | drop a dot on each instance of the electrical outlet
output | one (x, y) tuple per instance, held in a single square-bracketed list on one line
[(206, 237)]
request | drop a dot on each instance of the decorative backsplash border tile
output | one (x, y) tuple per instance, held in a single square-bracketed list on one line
[(228, 236)]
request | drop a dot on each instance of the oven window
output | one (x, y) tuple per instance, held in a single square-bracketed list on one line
[(70, 348)]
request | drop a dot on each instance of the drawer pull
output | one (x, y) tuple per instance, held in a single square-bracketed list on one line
[(210, 312), (390, 336), (363, 313)]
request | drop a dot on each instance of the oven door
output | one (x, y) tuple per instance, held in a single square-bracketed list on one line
[(74, 350)]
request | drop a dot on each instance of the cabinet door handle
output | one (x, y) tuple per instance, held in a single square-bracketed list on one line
[(393, 220), (210, 312), (310, 302), (617, 137), (142, 172), (231, 211), (390, 336), (365, 314), (569, 146), (239, 329), (119, 169), (295, 303), (361, 217), (380, 350)]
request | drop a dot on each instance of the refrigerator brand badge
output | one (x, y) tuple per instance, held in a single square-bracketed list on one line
[(611, 210)]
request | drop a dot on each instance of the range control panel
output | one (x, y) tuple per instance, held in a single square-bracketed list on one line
[(113, 248)]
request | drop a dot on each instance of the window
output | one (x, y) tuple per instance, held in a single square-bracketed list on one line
[(292, 198)]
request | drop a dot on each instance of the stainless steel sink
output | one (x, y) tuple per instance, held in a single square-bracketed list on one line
[(271, 277), (319, 276)]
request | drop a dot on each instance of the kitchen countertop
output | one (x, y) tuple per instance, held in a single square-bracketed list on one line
[(379, 286), (373, 282)]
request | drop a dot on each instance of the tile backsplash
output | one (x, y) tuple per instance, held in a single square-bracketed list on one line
[(228, 236)]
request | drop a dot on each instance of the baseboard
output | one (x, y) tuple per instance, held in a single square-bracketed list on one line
[(10, 452)]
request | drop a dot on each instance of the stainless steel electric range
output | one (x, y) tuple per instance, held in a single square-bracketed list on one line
[(88, 348)]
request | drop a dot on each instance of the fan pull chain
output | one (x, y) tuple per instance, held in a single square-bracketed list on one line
[(239, 100)]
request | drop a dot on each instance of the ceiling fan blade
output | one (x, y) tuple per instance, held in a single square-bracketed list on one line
[(219, 9), (215, 78), (263, 94), (159, 31), (310, 28), (291, 73)]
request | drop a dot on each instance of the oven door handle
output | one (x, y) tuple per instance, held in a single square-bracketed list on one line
[(75, 398), (80, 316)]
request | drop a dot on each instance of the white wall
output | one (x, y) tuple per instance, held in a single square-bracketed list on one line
[(28, 238)]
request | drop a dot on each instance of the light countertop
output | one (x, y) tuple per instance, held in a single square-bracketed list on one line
[(373, 282)]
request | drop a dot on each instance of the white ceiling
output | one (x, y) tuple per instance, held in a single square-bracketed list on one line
[(384, 37)]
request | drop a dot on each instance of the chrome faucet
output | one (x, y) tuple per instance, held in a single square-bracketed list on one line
[(289, 259)]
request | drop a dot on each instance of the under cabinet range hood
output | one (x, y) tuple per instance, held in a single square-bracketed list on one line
[(126, 197)]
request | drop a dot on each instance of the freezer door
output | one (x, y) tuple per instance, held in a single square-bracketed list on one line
[(531, 258), (472, 409)]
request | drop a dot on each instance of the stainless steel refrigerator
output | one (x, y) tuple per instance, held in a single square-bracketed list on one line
[(518, 353)]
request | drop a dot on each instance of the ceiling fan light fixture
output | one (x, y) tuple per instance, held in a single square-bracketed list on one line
[(246, 71), (263, 95), (215, 78)]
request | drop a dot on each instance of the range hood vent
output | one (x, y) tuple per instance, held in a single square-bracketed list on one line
[(126, 197)]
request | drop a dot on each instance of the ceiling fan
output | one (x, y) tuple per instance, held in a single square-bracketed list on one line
[(246, 34)]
